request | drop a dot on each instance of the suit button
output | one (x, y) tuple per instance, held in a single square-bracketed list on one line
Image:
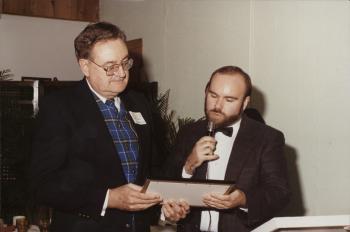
[(127, 226)]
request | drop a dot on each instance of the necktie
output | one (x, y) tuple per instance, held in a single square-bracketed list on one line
[(111, 105), (225, 130)]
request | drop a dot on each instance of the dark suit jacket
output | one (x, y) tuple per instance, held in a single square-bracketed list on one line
[(256, 164), (75, 161)]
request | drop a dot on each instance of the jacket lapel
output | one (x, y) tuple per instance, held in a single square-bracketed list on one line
[(96, 124), (241, 150), (132, 106)]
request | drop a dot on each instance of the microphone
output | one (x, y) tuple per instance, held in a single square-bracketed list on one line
[(211, 128), (211, 133)]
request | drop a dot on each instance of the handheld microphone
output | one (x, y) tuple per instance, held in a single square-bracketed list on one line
[(211, 128), (211, 133)]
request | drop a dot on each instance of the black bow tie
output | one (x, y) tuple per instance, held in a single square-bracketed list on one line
[(225, 130)]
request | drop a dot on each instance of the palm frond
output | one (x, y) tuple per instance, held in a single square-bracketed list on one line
[(168, 125), (184, 121), (163, 102), (5, 75), (166, 129)]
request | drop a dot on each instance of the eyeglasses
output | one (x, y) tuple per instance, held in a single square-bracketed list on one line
[(111, 69)]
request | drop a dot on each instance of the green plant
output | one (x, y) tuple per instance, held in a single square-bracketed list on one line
[(5, 75), (172, 124), (167, 125)]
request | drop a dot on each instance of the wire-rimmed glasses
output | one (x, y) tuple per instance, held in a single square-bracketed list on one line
[(111, 69)]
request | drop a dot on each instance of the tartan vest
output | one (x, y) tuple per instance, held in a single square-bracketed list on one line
[(124, 136)]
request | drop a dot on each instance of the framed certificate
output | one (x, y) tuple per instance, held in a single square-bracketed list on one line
[(188, 190)]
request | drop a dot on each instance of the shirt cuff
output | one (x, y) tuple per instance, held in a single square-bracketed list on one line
[(184, 174), (163, 221), (162, 216), (105, 204)]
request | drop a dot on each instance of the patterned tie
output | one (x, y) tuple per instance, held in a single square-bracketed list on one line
[(111, 105)]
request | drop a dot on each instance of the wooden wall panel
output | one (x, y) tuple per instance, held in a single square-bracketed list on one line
[(137, 76), (135, 46), (1, 7), (82, 10)]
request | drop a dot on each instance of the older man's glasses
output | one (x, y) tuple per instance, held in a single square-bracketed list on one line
[(114, 68)]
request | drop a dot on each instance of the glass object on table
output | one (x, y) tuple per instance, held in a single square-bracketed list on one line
[(22, 224), (44, 217)]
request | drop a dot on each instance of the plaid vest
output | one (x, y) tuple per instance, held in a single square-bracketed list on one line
[(124, 136)]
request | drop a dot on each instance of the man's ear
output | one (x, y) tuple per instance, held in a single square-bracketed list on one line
[(83, 63), (246, 102)]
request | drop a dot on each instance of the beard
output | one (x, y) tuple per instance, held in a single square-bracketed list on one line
[(221, 119)]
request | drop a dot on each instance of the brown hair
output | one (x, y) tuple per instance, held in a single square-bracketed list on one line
[(93, 33), (233, 70)]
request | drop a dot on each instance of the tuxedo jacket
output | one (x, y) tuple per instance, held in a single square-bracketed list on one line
[(75, 161), (257, 166)]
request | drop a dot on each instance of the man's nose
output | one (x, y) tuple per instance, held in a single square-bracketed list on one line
[(120, 72), (218, 104)]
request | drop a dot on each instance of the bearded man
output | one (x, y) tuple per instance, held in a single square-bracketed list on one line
[(243, 151)]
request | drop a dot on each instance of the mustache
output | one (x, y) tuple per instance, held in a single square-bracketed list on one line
[(216, 111), (116, 78)]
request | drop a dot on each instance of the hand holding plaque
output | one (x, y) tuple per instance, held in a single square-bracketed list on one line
[(188, 190)]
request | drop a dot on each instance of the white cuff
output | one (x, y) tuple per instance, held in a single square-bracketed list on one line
[(105, 204), (162, 220), (162, 216), (185, 175)]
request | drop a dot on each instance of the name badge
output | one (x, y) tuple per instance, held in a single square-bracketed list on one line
[(137, 118)]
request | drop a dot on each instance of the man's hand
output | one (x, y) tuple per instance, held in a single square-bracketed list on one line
[(128, 197), (220, 201), (202, 151), (175, 210)]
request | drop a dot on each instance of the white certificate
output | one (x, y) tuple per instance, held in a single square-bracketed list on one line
[(190, 191)]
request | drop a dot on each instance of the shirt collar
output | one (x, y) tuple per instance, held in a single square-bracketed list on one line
[(235, 126), (103, 99)]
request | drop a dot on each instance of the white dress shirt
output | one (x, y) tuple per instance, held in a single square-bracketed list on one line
[(216, 171)]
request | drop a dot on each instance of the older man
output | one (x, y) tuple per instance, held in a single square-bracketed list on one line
[(93, 146)]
